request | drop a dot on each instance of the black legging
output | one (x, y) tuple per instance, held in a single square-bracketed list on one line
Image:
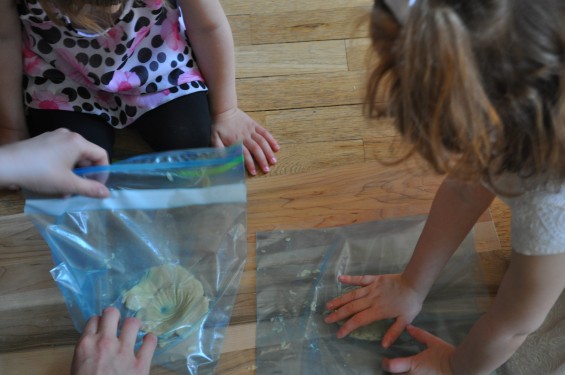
[(184, 122)]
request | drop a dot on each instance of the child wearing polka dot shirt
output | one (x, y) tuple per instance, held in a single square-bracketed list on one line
[(98, 65)]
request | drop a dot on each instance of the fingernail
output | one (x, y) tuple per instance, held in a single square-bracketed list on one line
[(266, 169), (273, 160)]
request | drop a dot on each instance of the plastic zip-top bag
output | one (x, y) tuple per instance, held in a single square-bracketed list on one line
[(168, 246)]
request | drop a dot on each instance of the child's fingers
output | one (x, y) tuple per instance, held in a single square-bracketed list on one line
[(93, 154), (87, 187), (249, 162), (347, 309), (357, 280), (346, 298), (274, 145), (216, 140), (422, 336), (393, 333), (145, 353), (358, 320), (91, 326), (397, 365), (255, 149), (128, 335), (109, 323), (265, 148)]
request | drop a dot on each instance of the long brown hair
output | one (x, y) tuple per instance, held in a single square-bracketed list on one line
[(97, 21), (476, 86)]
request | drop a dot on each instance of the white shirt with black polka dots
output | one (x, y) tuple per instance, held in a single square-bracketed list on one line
[(142, 61)]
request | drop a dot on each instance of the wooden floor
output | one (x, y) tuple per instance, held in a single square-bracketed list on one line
[(301, 67)]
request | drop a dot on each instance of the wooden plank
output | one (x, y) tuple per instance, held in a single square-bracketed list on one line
[(290, 58), (311, 156), (239, 337), (11, 202), (358, 53), (232, 7), (303, 91), (319, 124), (366, 192), (241, 29), (55, 361), (237, 363), (386, 150), (322, 24)]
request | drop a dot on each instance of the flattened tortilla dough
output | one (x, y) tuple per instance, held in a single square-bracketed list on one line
[(372, 332), (168, 300)]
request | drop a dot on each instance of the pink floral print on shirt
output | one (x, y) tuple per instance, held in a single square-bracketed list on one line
[(124, 82), (48, 100)]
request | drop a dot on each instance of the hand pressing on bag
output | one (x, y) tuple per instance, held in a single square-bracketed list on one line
[(434, 360), (101, 352), (379, 297)]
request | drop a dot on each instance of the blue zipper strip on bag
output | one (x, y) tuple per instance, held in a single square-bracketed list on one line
[(223, 164)]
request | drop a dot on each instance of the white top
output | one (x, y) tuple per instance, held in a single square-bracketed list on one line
[(538, 221)]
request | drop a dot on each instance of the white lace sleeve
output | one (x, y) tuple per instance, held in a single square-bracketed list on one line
[(538, 222)]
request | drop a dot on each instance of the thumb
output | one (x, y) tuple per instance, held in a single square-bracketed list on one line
[(394, 331), (397, 365), (420, 335), (217, 140)]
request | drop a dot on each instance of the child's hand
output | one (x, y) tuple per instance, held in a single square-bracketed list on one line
[(258, 144), (381, 297), (100, 351), (432, 361)]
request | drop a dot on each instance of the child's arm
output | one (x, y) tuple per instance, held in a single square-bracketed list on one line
[(211, 39), (455, 209), (12, 121), (529, 289), (531, 286)]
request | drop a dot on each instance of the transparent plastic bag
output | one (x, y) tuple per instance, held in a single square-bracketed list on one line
[(297, 274), (167, 246)]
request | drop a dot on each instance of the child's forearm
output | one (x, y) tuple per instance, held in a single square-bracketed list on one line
[(455, 209), (12, 122), (485, 349), (529, 289), (211, 38)]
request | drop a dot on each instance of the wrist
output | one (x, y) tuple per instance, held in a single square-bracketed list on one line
[(223, 101), (419, 288), (226, 113)]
